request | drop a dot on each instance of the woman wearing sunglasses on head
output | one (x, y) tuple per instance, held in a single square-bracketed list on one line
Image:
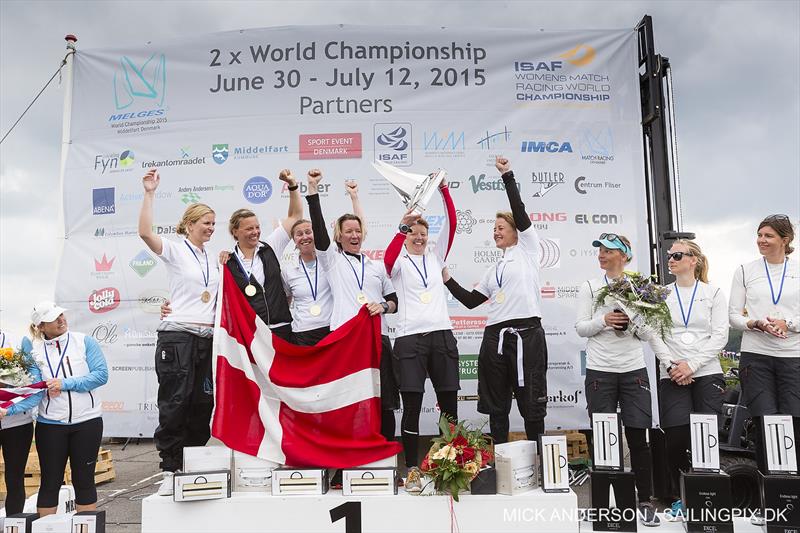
[(765, 303), (513, 353), (694, 383), (615, 366)]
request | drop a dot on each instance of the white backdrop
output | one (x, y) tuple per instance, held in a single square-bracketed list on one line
[(221, 114)]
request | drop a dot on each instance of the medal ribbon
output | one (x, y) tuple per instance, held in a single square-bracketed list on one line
[(316, 278), (60, 361), (686, 316), (361, 281), (247, 273), (207, 273), (424, 278), (769, 278), (499, 280)]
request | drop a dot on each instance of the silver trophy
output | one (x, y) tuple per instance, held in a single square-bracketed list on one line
[(415, 190)]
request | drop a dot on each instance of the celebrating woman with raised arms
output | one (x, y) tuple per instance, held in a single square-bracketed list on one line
[(513, 353), (424, 345), (355, 281), (183, 348), (307, 286)]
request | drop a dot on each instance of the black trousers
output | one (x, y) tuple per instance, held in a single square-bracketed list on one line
[(55, 443), (185, 395), (310, 337), (15, 442)]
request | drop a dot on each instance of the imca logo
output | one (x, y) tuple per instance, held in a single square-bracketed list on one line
[(104, 300), (546, 147)]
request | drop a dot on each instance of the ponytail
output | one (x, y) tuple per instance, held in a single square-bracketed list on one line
[(701, 267), (35, 332)]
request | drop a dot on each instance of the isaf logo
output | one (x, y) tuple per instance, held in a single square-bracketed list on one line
[(393, 143)]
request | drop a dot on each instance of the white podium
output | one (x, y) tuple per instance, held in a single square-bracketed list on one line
[(333, 512)]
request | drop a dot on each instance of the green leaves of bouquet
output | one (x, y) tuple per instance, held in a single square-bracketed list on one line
[(456, 457)]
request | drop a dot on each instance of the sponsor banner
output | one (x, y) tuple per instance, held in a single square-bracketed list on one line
[(221, 115)]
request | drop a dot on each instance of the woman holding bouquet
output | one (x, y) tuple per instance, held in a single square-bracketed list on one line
[(307, 286), (355, 281), (425, 345), (615, 367), (513, 353), (16, 428), (765, 303), (70, 423), (694, 383)]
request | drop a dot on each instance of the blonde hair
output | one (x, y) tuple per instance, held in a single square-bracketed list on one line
[(192, 214), (508, 216), (337, 228), (236, 219), (35, 332), (701, 268)]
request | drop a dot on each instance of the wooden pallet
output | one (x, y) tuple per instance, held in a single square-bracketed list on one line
[(103, 471)]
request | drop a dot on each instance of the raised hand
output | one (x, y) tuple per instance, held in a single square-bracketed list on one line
[(286, 176), (151, 180), (314, 177), (351, 188), (502, 164)]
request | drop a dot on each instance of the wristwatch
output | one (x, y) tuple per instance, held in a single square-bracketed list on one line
[(404, 228), (385, 307)]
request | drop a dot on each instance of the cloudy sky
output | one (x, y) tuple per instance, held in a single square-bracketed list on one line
[(735, 66)]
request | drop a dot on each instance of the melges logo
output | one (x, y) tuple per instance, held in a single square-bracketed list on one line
[(393, 143), (103, 201), (141, 85), (104, 300), (546, 147)]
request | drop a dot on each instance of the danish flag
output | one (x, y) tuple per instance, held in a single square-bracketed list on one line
[(9, 397), (297, 405)]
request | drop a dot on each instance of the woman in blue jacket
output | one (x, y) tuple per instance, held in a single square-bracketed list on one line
[(70, 423)]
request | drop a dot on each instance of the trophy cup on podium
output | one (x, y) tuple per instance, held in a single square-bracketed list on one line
[(415, 190), (780, 485), (613, 488)]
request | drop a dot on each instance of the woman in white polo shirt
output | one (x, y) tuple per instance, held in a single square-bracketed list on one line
[(307, 286), (765, 304), (356, 280), (694, 383), (183, 350), (615, 369), (513, 353), (424, 345)]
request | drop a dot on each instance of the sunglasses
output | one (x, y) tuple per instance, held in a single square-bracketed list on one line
[(677, 256), (613, 237), (775, 218)]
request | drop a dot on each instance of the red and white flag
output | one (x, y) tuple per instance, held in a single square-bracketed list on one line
[(9, 397), (316, 406)]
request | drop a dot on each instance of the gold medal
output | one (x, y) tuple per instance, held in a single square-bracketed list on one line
[(425, 297), (205, 297), (361, 298), (250, 290), (315, 310), (500, 297)]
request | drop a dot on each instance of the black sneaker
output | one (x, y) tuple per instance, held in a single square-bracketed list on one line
[(647, 515)]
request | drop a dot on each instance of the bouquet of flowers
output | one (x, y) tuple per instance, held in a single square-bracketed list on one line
[(641, 298), (456, 457), (15, 368)]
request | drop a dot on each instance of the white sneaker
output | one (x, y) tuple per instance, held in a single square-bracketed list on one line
[(167, 487)]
